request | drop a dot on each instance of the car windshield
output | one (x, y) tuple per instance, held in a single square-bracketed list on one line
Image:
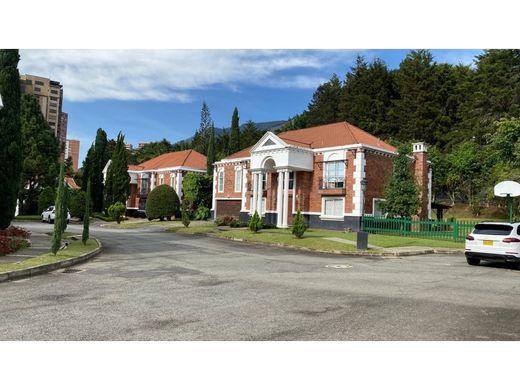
[(492, 229)]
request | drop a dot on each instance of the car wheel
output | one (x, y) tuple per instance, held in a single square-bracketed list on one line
[(169, 218), (49, 220), (150, 219), (473, 261)]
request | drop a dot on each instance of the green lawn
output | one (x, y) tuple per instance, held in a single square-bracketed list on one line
[(75, 248), (314, 239), (28, 218)]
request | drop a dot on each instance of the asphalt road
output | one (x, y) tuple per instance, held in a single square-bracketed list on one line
[(153, 285)]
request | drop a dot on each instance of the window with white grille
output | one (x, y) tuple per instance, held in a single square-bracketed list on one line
[(333, 207), (221, 181), (238, 180)]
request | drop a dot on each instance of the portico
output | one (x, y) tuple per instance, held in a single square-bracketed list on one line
[(275, 161)]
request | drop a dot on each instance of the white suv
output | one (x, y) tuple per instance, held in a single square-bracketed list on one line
[(48, 215), (494, 241)]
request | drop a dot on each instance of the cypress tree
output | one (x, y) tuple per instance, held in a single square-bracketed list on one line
[(234, 136), (120, 179), (100, 157), (401, 193), (86, 217), (58, 213), (108, 195), (10, 135), (211, 150), (324, 106)]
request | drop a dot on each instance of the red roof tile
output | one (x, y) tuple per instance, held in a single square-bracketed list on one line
[(325, 136), (71, 183), (185, 158)]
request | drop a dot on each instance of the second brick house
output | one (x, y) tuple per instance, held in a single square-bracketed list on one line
[(332, 173)]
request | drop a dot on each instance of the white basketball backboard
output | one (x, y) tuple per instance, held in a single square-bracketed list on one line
[(505, 188)]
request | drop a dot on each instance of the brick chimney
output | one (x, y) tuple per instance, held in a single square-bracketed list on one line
[(422, 175)]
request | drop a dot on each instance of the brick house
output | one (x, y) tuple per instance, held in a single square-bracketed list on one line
[(318, 170), (168, 168)]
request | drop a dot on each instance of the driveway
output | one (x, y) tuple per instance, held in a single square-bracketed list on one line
[(153, 285)]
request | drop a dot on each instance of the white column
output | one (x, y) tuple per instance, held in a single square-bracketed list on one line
[(294, 193), (260, 193), (214, 200), (285, 197), (279, 200), (359, 174), (255, 193), (179, 184), (152, 181), (244, 188)]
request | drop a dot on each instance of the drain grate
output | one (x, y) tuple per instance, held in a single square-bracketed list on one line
[(338, 266), (72, 270)]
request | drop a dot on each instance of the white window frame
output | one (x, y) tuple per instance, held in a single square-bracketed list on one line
[(238, 180), (161, 179), (172, 175), (220, 188), (374, 206), (332, 217)]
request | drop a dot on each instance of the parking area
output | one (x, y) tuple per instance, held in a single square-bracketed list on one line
[(153, 285)]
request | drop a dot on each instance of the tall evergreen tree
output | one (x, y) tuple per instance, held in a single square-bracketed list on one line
[(401, 192), (234, 136), (40, 155), (324, 106), (10, 135), (86, 218), (222, 145), (118, 179), (211, 150), (201, 138), (100, 158), (366, 96), (250, 135), (58, 213)]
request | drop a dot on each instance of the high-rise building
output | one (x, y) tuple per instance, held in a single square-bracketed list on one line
[(72, 151), (128, 147), (50, 97), (63, 123)]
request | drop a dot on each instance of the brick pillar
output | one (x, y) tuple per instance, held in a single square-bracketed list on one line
[(421, 173)]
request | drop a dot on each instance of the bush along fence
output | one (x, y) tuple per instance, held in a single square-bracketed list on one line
[(455, 230)]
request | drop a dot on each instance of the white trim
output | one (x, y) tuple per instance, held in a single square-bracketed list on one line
[(332, 217), (232, 160), (244, 187), (182, 168), (221, 171), (374, 205), (359, 174), (353, 146), (161, 179), (214, 191), (430, 192)]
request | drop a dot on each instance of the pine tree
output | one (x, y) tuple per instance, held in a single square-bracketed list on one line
[(255, 223), (10, 135), (401, 193), (298, 228), (324, 106), (250, 135), (58, 213), (201, 138), (119, 177), (366, 96), (40, 165), (211, 150), (86, 217), (234, 136)]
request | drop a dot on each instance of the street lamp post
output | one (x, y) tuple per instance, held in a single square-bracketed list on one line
[(362, 236)]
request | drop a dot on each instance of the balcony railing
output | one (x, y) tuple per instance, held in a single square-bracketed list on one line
[(332, 183)]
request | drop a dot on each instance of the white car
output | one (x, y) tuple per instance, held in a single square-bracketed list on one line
[(48, 215), (494, 241)]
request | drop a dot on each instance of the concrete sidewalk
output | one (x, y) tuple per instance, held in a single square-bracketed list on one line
[(40, 244)]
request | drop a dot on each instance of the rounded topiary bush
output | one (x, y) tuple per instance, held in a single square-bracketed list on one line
[(162, 202)]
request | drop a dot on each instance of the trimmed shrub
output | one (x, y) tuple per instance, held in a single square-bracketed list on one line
[(117, 211), (77, 202), (46, 199), (202, 213), (298, 227), (255, 223), (162, 202), (219, 222), (185, 212)]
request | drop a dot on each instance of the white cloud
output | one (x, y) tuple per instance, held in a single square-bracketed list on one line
[(171, 75)]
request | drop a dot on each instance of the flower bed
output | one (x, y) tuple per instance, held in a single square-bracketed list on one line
[(12, 239)]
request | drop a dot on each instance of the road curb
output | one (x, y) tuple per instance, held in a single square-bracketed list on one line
[(41, 269)]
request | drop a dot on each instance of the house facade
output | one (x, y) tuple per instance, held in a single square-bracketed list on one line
[(331, 173), (168, 168)]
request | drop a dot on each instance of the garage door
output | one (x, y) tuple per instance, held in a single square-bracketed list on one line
[(228, 208)]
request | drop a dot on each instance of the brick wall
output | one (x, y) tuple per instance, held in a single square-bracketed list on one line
[(421, 176), (378, 170)]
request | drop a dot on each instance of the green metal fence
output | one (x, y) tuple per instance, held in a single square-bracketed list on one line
[(455, 230)]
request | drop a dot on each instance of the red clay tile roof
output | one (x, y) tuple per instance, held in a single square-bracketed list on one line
[(187, 158), (335, 134), (71, 183)]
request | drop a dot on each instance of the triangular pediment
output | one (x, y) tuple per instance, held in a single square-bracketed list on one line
[(267, 142)]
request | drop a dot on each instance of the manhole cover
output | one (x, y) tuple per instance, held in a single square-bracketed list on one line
[(72, 270), (338, 266)]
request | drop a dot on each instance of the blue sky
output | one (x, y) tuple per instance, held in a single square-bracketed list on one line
[(155, 94)]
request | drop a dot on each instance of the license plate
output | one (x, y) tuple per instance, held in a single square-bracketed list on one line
[(488, 242)]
